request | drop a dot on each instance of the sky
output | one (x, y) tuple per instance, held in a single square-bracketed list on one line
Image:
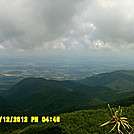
[(39, 26)]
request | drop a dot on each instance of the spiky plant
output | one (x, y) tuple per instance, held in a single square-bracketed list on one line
[(118, 121)]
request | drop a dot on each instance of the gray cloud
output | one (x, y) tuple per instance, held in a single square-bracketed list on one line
[(27, 23), (66, 24)]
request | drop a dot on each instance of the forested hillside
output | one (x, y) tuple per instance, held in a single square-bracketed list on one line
[(120, 80), (39, 96), (79, 122)]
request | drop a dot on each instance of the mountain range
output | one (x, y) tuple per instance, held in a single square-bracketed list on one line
[(39, 95), (119, 80)]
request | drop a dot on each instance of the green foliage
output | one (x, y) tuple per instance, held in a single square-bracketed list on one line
[(127, 101), (79, 122)]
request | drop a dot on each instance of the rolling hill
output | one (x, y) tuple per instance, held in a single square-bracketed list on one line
[(39, 96), (119, 80)]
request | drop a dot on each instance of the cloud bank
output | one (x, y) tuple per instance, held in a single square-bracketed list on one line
[(66, 25)]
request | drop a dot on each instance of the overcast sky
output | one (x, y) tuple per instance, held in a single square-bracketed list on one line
[(66, 25)]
